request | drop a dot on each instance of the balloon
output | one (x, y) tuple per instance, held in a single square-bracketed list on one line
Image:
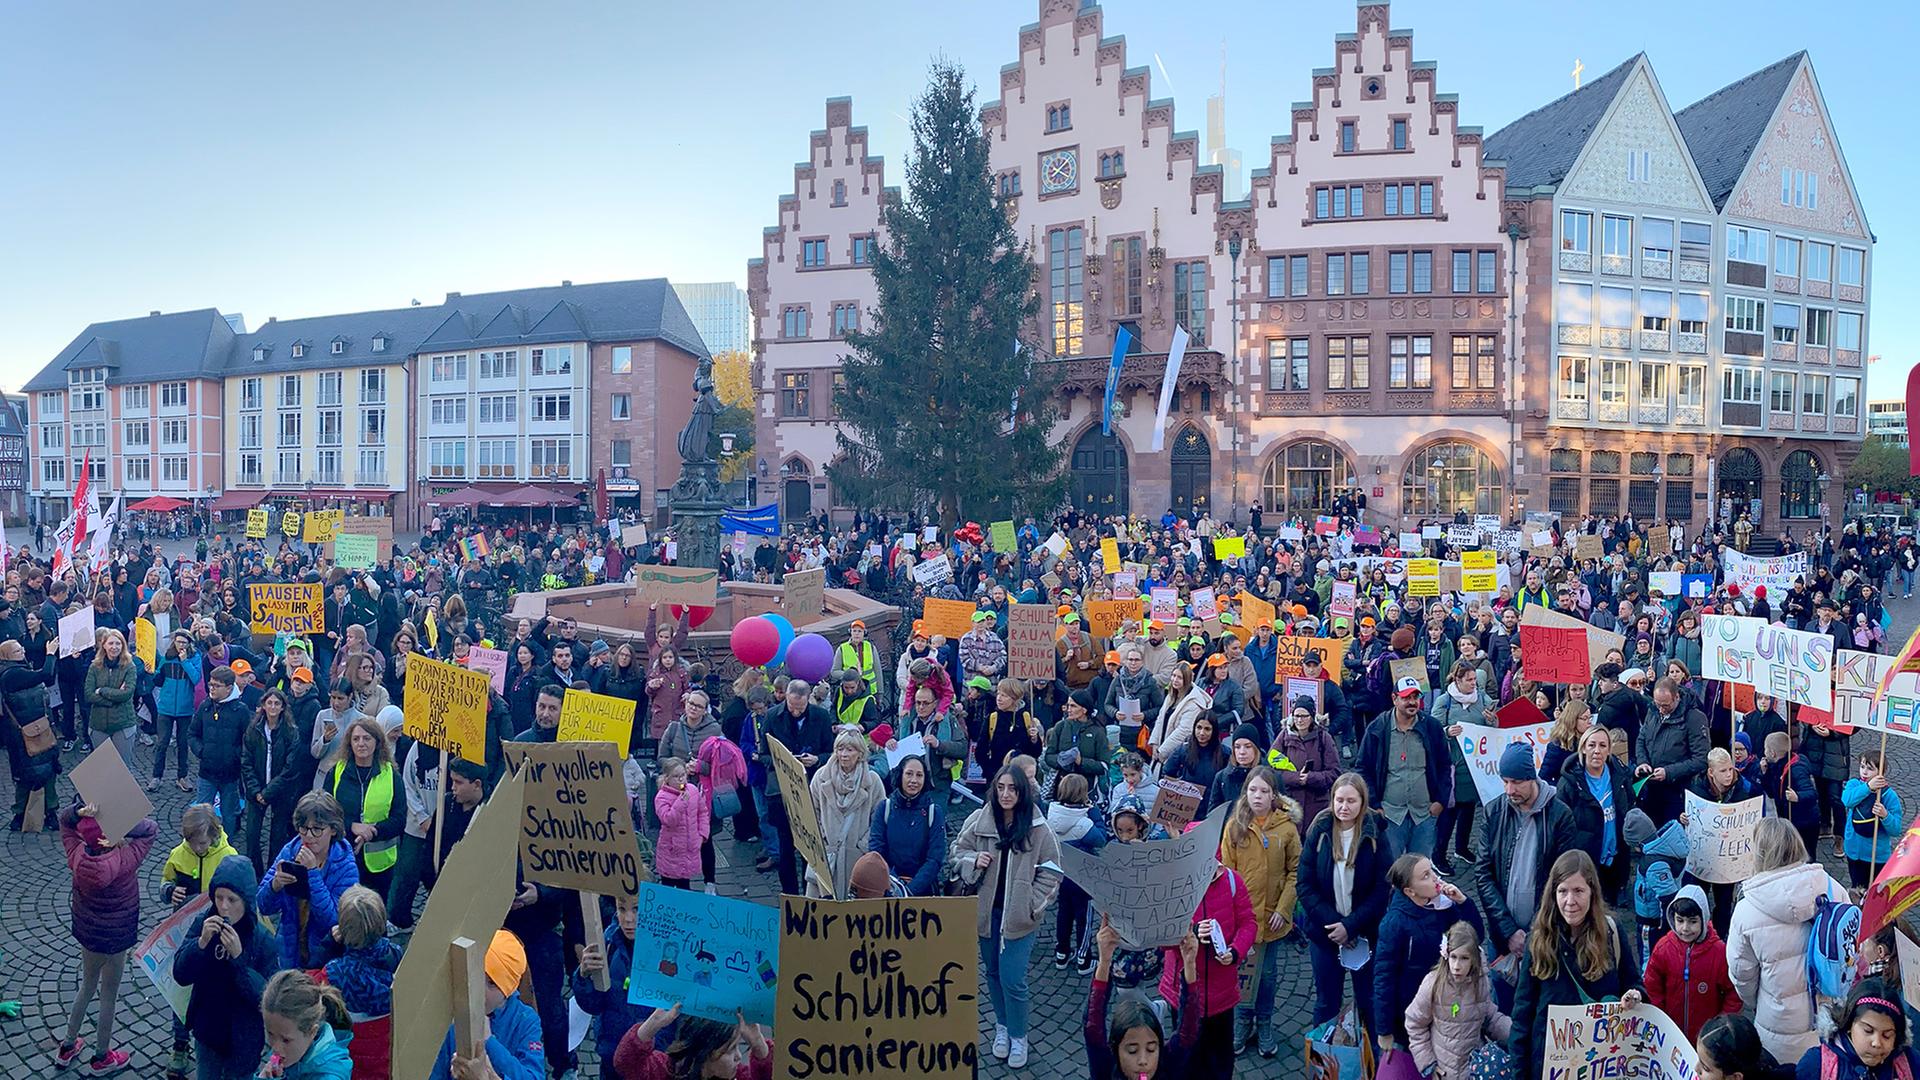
[(810, 657), (698, 615), (755, 641), (781, 624)]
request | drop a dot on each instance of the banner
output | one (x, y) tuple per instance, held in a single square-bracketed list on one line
[(354, 552), (710, 955), (1555, 654), (446, 707), (1030, 653), (1482, 747), (257, 524), (155, 954), (1149, 889), (1791, 665), (952, 618), (590, 717), (1777, 574), (1122, 338), (1291, 647), (491, 661), (759, 521), (806, 595), (319, 526), (1602, 1041), (295, 608), (1856, 677), (1175, 354), (576, 831), (1720, 838), (878, 988), (807, 842), (1477, 572), (1105, 617), (689, 586)]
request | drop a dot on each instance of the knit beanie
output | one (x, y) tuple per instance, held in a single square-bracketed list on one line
[(870, 878), (1248, 732)]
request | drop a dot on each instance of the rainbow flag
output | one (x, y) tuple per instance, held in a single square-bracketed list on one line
[(475, 547)]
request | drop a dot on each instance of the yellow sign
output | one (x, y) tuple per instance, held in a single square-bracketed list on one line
[(446, 707), (1110, 555), (1477, 573), (1254, 611), (586, 717), (146, 643), (1423, 577), (257, 524), (294, 607), (290, 522), (320, 525), (1229, 547)]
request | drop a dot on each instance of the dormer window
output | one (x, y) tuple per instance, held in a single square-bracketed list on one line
[(299, 351), (259, 354), (339, 348), (379, 343)]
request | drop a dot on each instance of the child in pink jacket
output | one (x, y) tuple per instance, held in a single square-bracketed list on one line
[(682, 811), (1216, 993)]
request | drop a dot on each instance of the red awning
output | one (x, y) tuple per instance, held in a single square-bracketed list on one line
[(160, 503), (534, 495), (237, 500)]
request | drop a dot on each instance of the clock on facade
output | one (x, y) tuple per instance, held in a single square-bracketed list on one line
[(1059, 171)]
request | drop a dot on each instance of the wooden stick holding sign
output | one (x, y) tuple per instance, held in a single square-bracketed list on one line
[(467, 976), (439, 811), (595, 933)]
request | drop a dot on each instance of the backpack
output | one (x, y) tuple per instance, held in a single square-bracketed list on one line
[(1830, 1064), (1830, 947), (1490, 1061)]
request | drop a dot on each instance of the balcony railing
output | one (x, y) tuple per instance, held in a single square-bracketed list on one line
[(1693, 270), (1690, 343), (287, 476), (1653, 267), (1613, 411), (370, 476), (1576, 335), (1655, 340), (1565, 409), (326, 476), (1576, 260), (1617, 265)]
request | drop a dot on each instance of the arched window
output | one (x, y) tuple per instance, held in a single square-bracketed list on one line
[(1800, 485), (1451, 477), (1304, 477)]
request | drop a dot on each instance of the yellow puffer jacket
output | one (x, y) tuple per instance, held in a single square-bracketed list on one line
[(183, 863), (1267, 858)]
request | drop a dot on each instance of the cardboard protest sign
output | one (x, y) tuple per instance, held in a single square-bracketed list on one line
[(296, 608), (380, 528), (77, 632), (1587, 546), (806, 595), (319, 526), (1520, 712), (1229, 547), (446, 707), (256, 524), (1126, 585), (1291, 647), (601, 718), (1423, 577), (1412, 667), (708, 954), (807, 841), (1149, 889), (1002, 535), (1253, 611), (155, 954), (355, 552), (1778, 574), (878, 988), (106, 784), (1598, 640), (576, 830), (491, 661), (1598, 1041), (1030, 652), (1176, 804), (1462, 536), (1792, 665), (1109, 555), (1313, 690), (1451, 578), (1856, 677), (146, 642), (1105, 617), (633, 536), (932, 571), (1477, 573), (470, 901), (1659, 542), (688, 586), (952, 618), (1720, 838), (1555, 654), (1664, 582), (1482, 747)]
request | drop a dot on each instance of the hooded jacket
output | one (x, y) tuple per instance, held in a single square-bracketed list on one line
[(276, 764), (184, 867), (1268, 861), (224, 1008), (321, 897), (25, 689), (1410, 938), (174, 682), (911, 834), (1448, 1020), (326, 1059), (106, 884), (1217, 990), (616, 1013), (1903, 1063), (1316, 765), (217, 736), (1767, 954), (1688, 980)]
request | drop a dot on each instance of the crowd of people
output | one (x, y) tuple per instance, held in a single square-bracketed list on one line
[(1351, 827)]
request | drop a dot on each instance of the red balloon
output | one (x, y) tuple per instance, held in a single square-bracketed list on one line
[(755, 641), (698, 618)]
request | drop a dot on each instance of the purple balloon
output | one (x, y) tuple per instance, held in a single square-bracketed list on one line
[(810, 657)]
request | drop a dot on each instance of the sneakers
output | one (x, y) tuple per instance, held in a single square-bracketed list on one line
[(763, 864), (1085, 964), (109, 1063), (1060, 959), (66, 746), (1269, 1041), (1017, 1054), (69, 1054), (709, 889), (1000, 1042), (180, 1066), (1242, 1033)]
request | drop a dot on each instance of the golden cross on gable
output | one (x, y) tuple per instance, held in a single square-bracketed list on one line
[(1578, 67)]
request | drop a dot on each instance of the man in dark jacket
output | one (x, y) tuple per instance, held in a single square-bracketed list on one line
[(1671, 751), (24, 689), (1617, 707), (217, 737), (1408, 769), (1524, 833), (806, 730)]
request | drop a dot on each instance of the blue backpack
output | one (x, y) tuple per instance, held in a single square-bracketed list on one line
[(1830, 947)]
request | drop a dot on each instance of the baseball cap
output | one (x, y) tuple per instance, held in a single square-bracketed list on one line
[(241, 667), (301, 674), (1366, 620), (1216, 660), (1156, 624), (919, 628), (861, 623), (1063, 610), (980, 682), (1070, 619), (1407, 685), (1113, 656), (980, 616)]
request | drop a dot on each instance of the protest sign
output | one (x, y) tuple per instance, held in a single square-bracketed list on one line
[(1462, 536), (295, 608), (1856, 677), (1105, 617), (1051, 580), (1602, 1041), (1696, 586), (1520, 712), (1326, 525), (689, 586), (710, 955), (1778, 574), (1176, 804), (1720, 838), (1313, 690), (1431, 532), (1423, 577), (632, 536), (878, 988), (1205, 605), (1126, 585), (806, 595), (1476, 572), (1482, 747), (1664, 582), (1289, 648), (146, 642), (1410, 541), (446, 707), (1055, 545), (1253, 611), (290, 523), (1587, 546), (1229, 547), (1366, 536), (491, 661), (106, 784), (1002, 535), (1793, 665), (914, 745), (1411, 667), (930, 534), (353, 552), (1598, 641), (576, 830), (807, 841), (1291, 532), (1555, 654), (380, 528), (1149, 889), (601, 718), (256, 524), (1030, 653), (1109, 554), (1909, 953), (77, 632), (931, 571), (1344, 596), (1450, 577), (319, 526), (1659, 542), (952, 618), (155, 954)]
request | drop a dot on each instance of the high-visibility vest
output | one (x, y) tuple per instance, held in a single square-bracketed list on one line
[(379, 855), (864, 660)]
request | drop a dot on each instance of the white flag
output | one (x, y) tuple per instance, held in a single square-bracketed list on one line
[(103, 531), (1174, 356)]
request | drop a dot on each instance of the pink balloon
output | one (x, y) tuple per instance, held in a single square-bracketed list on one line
[(810, 657), (755, 641)]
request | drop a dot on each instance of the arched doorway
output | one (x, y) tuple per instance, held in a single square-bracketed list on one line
[(1800, 485), (1192, 471), (1100, 473), (797, 497), (1739, 481), (1450, 478), (1304, 477)]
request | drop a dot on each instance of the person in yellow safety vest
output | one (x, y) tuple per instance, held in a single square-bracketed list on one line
[(853, 703), (362, 780), (859, 654)]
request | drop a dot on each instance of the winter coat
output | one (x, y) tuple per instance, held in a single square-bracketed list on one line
[(1793, 774), (1829, 756), (174, 682), (1767, 953), (1863, 843), (1268, 862), (24, 686), (1032, 876), (278, 767), (217, 736), (106, 884), (364, 977), (1589, 825), (1089, 737), (911, 834), (636, 1061), (1441, 1038), (1316, 765), (1410, 938), (1373, 758), (616, 1013), (1904, 1063), (1495, 860), (1447, 712), (1173, 724), (322, 901), (684, 822), (664, 702), (1227, 902), (326, 1059), (1533, 997), (183, 867), (514, 1047), (223, 1009), (684, 742), (1370, 890), (1676, 742), (109, 690), (1688, 981)]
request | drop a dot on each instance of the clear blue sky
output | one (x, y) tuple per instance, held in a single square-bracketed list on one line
[(302, 159)]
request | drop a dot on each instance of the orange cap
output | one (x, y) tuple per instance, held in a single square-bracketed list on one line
[(1113, 656)]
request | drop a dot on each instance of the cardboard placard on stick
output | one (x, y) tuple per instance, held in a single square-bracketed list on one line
[(1176, 804), (491, 661), (576, 831), (353, 551), (1411, 667), (446, 707), (1598, 640), (106, 784), (1555, 654), (295, 607), (589, 717), (380, 528), (1587, 546), (1030, 652), (951, 618), (1105, 617), (1292, 648), (807, 841), (688, 586), (806, 595)]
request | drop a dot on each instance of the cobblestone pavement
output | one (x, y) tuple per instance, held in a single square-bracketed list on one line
[(38, 965)]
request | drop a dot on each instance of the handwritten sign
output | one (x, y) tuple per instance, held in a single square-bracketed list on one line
[(1109, 554), (1176, 804), (1664, 582), (952, 618), (1477, 572), (446, 707), (1659, 542), (806, 595), (1149, 889), (932, 571), (146, 642), (290, 523), (77, 632), (1105, 617), (1856, 676), (635, 535), (689, 586), (1555, 654), (1482, 747), (1599, 1041), (1423, 577), (380, 528), (1229, 547), (295, 608), (589, 717), (257, 524), (1030, 652), (105, 783), (1410, 667), (491, 661), (807, 841), (1792, 665), (1587, 546), (1410, 541), (891, 983), (1291, 648), (1777, 574), (319, 526), (710, 955), (1255, 611), (1599, 641), (1720, 838), (1002, 535), (1462, 536), (352, 552), (1291, 532), (576, 831)]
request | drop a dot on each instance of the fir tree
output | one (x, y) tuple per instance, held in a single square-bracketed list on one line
[(930, 387)]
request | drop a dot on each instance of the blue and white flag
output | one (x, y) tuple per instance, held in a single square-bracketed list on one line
[(1121, 339), (1174, 356), (758, 521)]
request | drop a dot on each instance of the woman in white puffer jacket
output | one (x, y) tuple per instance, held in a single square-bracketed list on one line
[(1767, 938)]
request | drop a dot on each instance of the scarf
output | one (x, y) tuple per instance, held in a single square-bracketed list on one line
[(844, 785), (1132, 685), (1462, 697)]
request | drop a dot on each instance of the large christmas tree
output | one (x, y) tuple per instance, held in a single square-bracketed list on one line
[(943, 409)]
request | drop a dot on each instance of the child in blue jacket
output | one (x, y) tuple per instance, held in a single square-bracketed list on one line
[(514, 1046), (614, 955), (1874, 820)]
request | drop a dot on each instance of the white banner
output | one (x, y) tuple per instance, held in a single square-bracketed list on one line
[(1777, 574), (1174, 355), (1482, 747), (1792, 665), (1720, 838), (1856, 675), (933, 571)]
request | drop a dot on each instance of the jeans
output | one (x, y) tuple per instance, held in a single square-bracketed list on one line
[(228, 792), (1906, 580), (1003, 964), (769, 836), (1407, 835), (1259, 980), (169, 729), (1070, 920), (789, 868), (210, 1064), (1456, 823), (1330, 984), (414, 869)]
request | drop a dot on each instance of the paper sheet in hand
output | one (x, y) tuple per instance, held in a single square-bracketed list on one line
[(1720, 838), (1149, 889), (914, 745)]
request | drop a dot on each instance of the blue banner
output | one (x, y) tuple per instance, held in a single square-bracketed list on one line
[(1121, 339), (759, 521)]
